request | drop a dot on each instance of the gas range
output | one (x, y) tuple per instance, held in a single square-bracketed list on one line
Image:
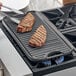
[(65, 26)]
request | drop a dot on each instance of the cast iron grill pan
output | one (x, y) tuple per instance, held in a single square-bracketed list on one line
[(53, 43)]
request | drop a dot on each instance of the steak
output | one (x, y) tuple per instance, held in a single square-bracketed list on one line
[(39, 37), (26, 23)]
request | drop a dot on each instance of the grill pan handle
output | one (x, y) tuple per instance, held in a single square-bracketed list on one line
[(53, 54)]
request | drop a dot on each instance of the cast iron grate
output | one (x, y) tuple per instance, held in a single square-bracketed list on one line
[(65, 20)]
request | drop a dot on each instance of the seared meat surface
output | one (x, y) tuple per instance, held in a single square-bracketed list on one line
[(39, 37), (26, 23)]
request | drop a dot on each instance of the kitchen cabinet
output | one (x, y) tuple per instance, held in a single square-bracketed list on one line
[(68, 1)]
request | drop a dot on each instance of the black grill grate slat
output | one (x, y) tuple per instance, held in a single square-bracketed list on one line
[(50, 49)]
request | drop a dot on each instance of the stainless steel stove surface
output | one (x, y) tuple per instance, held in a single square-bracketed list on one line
[(12, 60), (50, 66)]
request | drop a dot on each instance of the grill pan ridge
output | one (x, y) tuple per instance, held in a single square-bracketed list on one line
[(53, 42)]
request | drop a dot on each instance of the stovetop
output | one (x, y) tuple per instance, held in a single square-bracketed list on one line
[(62, 22)]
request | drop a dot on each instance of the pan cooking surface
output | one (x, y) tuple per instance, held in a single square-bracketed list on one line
[(53, 42)]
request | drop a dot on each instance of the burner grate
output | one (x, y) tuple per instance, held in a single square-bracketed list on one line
[(63, 21)]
